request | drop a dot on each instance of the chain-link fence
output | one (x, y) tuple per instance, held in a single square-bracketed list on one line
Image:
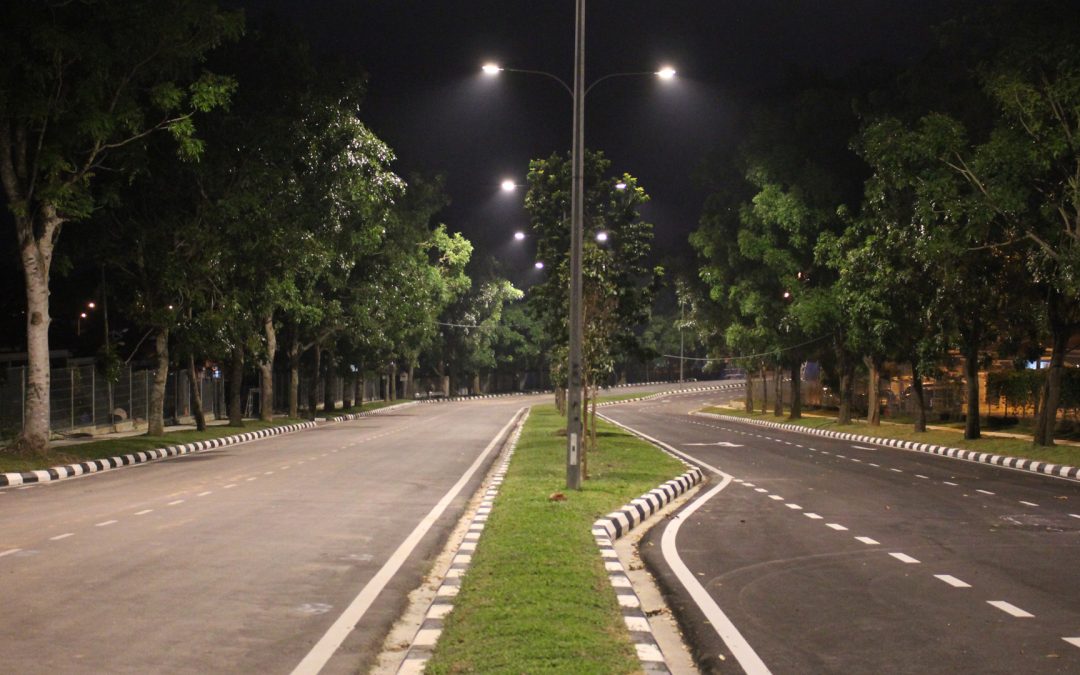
[(81, 400)]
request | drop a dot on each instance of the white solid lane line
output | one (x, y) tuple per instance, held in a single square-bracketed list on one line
[(740, 648), (904, 558), (867, 540), (62, 536), (952, 581), (1010, 608)]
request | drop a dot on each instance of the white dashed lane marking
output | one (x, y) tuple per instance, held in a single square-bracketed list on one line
[(876, 466), (776, 497), (203, 494), (1074, 641), (836, 526), (794, 507), (62, 536), (1010, 608), (949, 483), (143, 512), (230, 485), (862, 447), (919, 475), (985, 492), (867, 540), (1073, 515), (1028, 503), (896, 470), (904, 558), (760, 490), (174, 503), (10, 551), (952, 581), (812, 516), (106, 523)]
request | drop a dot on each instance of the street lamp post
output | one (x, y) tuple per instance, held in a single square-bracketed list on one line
[(577, 217)]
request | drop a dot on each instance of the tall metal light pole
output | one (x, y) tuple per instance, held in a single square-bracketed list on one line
[(577, 225)]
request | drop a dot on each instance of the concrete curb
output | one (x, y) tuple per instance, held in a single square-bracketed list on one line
[(427, 636), (615, 525), (1017, 463), (94, 466)]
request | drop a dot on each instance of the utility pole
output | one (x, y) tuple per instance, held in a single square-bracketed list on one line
[(577, 217)]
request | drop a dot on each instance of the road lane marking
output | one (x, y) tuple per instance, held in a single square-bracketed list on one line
[(952, 581), (253, 478), (10, 551), (841, 456), (203, 494), (748, 484), (919, 475), (343, 626), (904, 558), (143, 512), (896, 470), (949, 483), (1073, 515), (1074, 641), (62, 536), (174, 503), (856, 460), (985, 492), (760, 490), (1010, 608), (867, 540), (268, 473), (776, 497), (862, 447), (230, 485), (106, 523), (812, 516), (876, 466), (836, 526), (794, 507), (1028, 503), (725, 629)]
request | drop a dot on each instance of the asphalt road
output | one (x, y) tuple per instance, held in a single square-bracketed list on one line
[(238, 559), (832, 556)]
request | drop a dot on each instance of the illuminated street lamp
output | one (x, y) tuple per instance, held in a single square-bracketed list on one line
[(519, 236), (539, 264), (601, 236), (508, 185), (577, 218)]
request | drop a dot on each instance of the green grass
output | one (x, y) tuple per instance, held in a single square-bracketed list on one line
[(536, 598), (1013, 447), (622, 397), (367, 405), (124, 445)]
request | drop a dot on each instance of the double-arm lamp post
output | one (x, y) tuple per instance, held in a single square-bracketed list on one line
[(577, 217)]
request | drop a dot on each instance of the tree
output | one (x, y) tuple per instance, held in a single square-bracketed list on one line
[(79, 82)]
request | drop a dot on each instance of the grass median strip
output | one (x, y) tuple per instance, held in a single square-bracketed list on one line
[(1009, 447), (537, 597)]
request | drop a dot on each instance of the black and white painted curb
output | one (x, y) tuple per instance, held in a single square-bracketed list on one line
[(423, 644), (98, 465), (615, 525), (1019, 463), (94, 466), (452, 399), (673, 392)]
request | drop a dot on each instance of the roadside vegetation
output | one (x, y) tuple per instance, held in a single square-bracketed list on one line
[(537, 597), (947, 436)]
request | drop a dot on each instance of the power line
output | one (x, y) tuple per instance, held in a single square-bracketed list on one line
[(747, 356)]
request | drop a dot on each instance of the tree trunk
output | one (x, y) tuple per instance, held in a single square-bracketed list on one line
[(778, 393), (847, 386), (266, 371), (971, 385), (796, 390), (764, 391), (155, 416), (476, 383), (195, 378), (329, 403), (920, 399), (348, 389), (294, 380), (873, 386), (236, 387), (35, 253), (1046, 421), (315, 386), (749, 387), (410, 388)]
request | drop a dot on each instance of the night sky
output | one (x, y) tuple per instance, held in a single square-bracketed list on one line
[(429, 101)]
